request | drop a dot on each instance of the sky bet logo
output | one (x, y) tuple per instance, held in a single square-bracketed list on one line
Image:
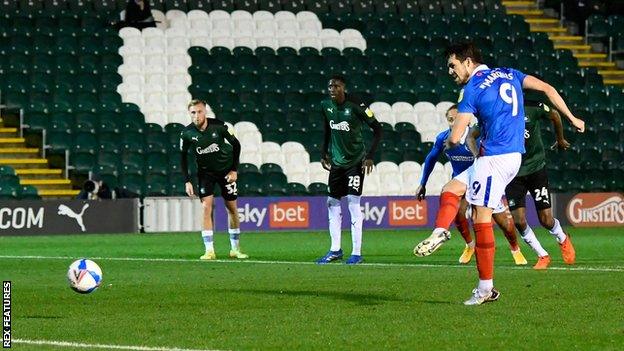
[(407, 213), (290, 214)]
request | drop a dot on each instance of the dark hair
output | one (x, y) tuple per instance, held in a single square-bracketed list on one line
[(340, 78), (452, 107), (464, 50)]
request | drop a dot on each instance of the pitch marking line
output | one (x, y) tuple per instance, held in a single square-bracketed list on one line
[(99, 346), (398, 265)]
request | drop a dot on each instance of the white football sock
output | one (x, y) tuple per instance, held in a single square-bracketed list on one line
[(356, 223), (529, 237), (557, 232), (234, 238), (485, 286), (335, 222), (207, 236)]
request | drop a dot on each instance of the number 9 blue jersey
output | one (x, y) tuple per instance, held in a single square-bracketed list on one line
[(495, 97)]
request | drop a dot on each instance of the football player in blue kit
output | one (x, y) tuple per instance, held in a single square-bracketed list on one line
[(494, 96), (461, 157)]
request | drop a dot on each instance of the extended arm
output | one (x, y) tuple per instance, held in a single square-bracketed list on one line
[(459, 127), (555, 118), (533, 83)]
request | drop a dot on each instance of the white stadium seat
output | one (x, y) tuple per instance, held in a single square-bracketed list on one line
[(424, 106), (262, 15), (358, 43), (285, 15), (299, 177), (219, 14), (379, 106), (171, 14)]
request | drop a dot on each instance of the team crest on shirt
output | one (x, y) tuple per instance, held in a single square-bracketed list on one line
[(214, 134), (347, 111)]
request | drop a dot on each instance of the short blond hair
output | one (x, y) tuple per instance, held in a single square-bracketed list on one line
[(195, 102)]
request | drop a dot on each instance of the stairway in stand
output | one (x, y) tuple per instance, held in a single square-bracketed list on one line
[(31, 168), (563, 40)]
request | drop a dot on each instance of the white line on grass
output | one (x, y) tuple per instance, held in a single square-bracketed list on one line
[(99, 346), (398, 265)]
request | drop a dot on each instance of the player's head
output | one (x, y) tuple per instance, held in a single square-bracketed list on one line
[(462, 59), (451, 114), (336, 88), (197, 111)]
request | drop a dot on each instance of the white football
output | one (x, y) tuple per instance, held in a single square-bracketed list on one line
[(84, 276)]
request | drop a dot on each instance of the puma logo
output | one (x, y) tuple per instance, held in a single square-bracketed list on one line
[(63, 210), (195, 138)]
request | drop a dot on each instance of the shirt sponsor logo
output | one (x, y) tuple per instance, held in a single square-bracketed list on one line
[(208, 150), (289, 214), (459, 158), (339, 126), (596, 210), (407, 213)]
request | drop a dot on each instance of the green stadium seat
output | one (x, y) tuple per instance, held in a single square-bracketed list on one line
[(296, 189), (133, 183), (156, 185), (29, 192), (318, 189)]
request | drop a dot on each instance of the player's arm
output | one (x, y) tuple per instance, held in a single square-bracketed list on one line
[(471, 140), (459, 128), (430, 161), (533, 83), (555, 118), (184, 147), (368, 116), (326, 135), (228, 134)]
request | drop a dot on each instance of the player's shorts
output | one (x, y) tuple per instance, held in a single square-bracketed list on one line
[(487, 178), (536, 184), (207, 182), (346, 181)]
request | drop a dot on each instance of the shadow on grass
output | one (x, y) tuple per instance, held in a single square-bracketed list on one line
[(359, 298)]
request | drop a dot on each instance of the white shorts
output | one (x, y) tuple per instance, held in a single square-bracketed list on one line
[(488, 177)]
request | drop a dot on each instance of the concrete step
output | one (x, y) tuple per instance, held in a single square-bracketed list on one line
[(526, 13), (19, 152), (597, 64), (20, 163), (39, 173), (567, 40), (58, 193), (48, 184), (12, 142), (8, 132), (520, 5), (552, 32), (592, 56), (612, 73), (614, 81), (576, 48)]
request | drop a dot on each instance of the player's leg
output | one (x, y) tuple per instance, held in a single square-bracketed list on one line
[(538, 185), (485, 191), (461, 222), (484, 251), (355, 183), (516, 195), (207, 232), (206, 183), (503, 218), (229, 191), (450, 198), (337, 189)]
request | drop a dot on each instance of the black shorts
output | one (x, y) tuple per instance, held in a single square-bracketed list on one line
[(536, 184), (207, 182), (346, 181)]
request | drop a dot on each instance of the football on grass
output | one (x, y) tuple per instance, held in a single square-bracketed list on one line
[(84, 276)]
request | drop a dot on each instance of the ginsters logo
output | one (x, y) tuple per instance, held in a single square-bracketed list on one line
[(208, 150), (339, 126), (596, 210)]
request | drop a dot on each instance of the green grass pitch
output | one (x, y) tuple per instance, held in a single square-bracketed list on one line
[(157, 294)]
